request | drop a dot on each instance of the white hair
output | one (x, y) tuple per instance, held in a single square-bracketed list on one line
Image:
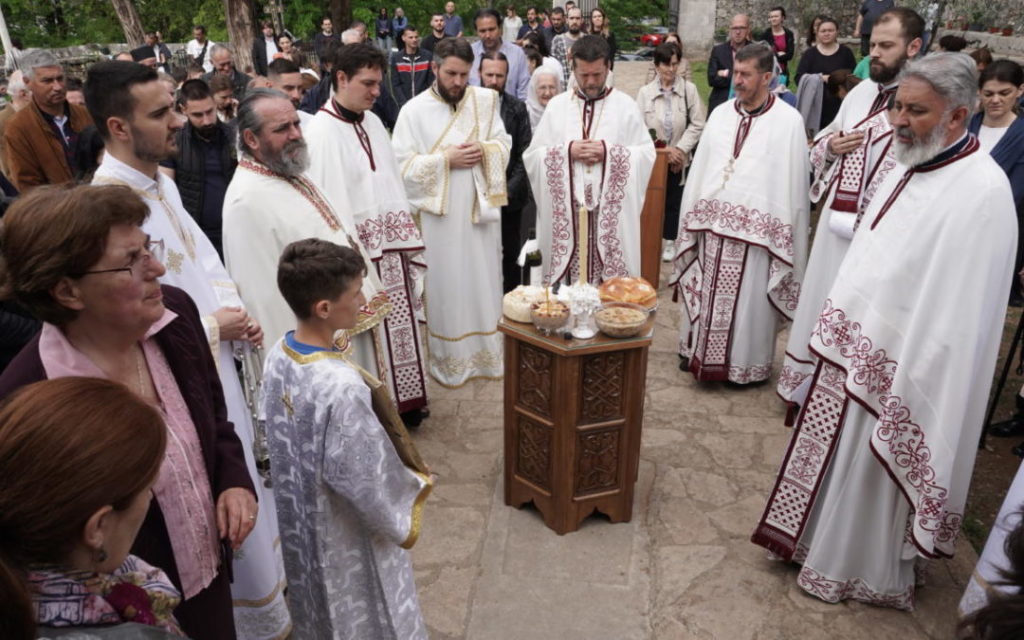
[(36, 59), (16, 83), (351, 36), (217, 49), (954, 76)]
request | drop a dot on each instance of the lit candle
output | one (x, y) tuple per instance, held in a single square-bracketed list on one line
[(584, 234)]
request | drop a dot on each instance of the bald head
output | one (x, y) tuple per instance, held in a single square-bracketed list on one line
[(739, 30)]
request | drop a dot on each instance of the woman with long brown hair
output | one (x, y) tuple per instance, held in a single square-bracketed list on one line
[(78, 457)]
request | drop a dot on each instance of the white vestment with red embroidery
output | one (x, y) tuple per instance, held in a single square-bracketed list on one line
[(613, 191), (742, 244), (847, 184), (880, 460), (264, 213), (354, 164), (460, 219)]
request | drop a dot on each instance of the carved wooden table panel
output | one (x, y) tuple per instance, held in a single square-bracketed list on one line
[(573, 412)]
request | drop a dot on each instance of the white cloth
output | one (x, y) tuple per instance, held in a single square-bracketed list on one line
[(371, 199), (510, 28), (460, 213), (613, 191), (993, 558), (835, 228), (194, 266), (742, 245), (348, 507), (907, 341), (989, 137), (271, 49), (193, 48), (264, 213)]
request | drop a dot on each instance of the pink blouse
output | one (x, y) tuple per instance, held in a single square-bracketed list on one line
[(182, 488)]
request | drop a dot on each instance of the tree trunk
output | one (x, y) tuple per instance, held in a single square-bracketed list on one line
[(130, 22), (341, 14), (239, 15)]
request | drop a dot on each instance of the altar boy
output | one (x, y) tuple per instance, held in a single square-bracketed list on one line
[(348, 507)]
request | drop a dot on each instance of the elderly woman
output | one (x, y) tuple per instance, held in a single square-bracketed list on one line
[(672, 109), (545, 83), (71, 504), (79, 261)]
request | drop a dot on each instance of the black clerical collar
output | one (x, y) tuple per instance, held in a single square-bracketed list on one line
[(351, 116), (966, 145), (586, 98)]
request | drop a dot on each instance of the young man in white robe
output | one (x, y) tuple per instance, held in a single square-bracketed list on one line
[(850, 159), (590, 149), (271, 202), (349, 508), (138, 132), (879, 464), (742, 242), (351, 158), (453, 150)]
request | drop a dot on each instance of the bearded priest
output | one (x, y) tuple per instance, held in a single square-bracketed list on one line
[(453, 151), (878, 467), (591, 149), (850, 159), (742, 243)]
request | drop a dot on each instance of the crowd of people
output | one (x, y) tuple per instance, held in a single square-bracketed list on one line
[(360, 221)]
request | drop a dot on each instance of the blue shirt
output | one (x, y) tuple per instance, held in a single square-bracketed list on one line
[(518, 72), (452, 25), (301, 347)]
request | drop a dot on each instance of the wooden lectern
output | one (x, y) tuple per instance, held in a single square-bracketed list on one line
[(573, 412), (652, 220)]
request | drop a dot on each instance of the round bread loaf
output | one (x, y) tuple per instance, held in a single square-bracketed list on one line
[(632, 290)]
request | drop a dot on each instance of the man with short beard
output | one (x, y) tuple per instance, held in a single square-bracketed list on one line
[(205, 160), (437, 33), (878, 466), (286, 76), (561, 45), (272, 202), (850, 158), (592, 143), (453, 150), (488, 27), (136, 118)]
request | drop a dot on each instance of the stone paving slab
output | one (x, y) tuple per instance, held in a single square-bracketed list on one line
[(683, 567)]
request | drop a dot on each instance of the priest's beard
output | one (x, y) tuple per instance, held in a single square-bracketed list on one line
[(920, 150), (292, 161), (882, 74), (450, 97)]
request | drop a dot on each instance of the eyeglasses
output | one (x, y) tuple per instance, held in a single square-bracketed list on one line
[(151, 249)]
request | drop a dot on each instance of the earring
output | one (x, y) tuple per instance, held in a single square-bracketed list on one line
[(101, 555)]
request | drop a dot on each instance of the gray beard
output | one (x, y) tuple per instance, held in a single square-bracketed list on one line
[(288, 164), (921, 150)]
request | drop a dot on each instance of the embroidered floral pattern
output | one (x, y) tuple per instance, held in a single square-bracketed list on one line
[(746, 375), (743, 223), (790, 379), (385, 229), (561, 238), (610, 210), (833, 591)]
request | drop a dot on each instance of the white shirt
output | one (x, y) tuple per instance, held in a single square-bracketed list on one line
[(271, 49), (989, 137)]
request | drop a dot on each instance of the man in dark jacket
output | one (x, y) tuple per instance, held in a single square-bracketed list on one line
[(206, 159), (410, 67), (493, 75), (224, 64), (720, 64), (263, 48)]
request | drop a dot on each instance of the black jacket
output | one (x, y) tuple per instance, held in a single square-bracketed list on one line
[(259, 55), (721, 58), (517, 123), (783, 57), (410, 74), (190, 168)]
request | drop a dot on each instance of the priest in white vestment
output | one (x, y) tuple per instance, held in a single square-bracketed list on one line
[(193, 265), (453, 150), (349, 508), (271, 202), (879, 464), (351, 159), (590, 149), (850, 158), (742, 242)]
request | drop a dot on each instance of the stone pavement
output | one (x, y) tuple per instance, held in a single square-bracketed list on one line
[(682, 568)]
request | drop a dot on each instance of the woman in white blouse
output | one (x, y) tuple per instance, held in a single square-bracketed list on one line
[(673, 111)]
